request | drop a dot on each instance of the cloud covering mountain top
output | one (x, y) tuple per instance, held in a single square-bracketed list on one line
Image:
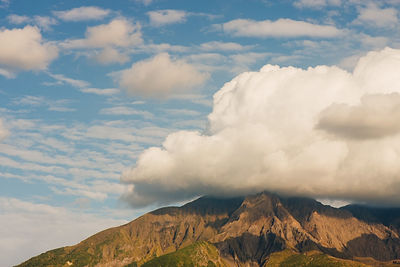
[(318, 132)]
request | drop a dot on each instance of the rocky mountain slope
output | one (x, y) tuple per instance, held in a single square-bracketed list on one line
[(246, 231)]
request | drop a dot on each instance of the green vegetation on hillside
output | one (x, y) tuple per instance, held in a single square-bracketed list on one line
[(288, 258), (81, 255), (198, 254)]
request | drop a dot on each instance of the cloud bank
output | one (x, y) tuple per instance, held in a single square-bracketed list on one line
[(320, 132)]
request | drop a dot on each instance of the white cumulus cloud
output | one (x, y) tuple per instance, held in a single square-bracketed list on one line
[(376, 116), (279, 28), (119, 33), (320, 132), (160, 76), (108, 39), (24, 49)]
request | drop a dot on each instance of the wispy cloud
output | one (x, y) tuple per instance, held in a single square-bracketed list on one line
[(98, 91), (122, 110), (279, 28), (374, 16), (62, 79), (167, 16), (44, 22), (82, 13), (3, 130), (316, 4), (37, 101), (224, 46)]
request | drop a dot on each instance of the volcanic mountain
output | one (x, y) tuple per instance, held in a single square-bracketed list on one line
[(257, 230)]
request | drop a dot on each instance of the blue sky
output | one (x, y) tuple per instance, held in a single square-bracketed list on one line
[(87, 86)]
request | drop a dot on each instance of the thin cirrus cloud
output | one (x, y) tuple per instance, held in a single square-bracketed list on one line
[(83, 86), (98, 91), (167, 16), (316, 4), (320, 148), (60, 105), (122, 110), (62, 79), (3, 130), (279, 28), (223, 46), (82, 13), (160, 76), (24, 49)]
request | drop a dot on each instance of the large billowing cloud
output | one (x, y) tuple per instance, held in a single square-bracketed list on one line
[(317, 132), (376, 116), (24, 49), (160, 76)]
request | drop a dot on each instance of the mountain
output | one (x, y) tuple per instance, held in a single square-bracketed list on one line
[(257, 230)]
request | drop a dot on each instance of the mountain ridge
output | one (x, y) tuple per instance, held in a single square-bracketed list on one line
[(245, 231)]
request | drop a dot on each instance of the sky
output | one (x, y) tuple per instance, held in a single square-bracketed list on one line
[(109, 109)]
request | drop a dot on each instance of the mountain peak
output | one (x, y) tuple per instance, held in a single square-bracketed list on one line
[(244, 230)]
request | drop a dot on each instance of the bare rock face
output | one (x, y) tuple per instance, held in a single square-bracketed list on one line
[(245, 231)]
